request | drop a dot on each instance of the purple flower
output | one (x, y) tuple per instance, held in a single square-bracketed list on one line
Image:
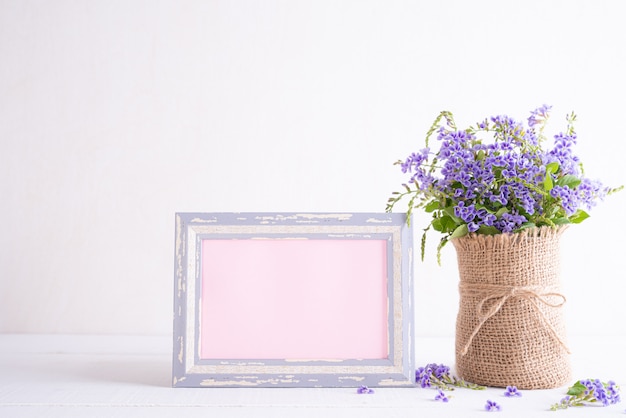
[(364, 390), (612, 391), (607, 394), (539, 115), (487, 218), (588, 191), (568, 198), (422, 376), (441, 396), (473, 227), (414, 161), (564, 403), (511, 391), (467, 214), (438, 372), (509, 222), (491, 406), (563, 154)]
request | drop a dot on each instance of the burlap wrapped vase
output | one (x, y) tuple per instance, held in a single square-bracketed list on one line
[(510, 326)]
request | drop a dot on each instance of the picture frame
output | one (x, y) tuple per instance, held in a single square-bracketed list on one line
[(293, 300)]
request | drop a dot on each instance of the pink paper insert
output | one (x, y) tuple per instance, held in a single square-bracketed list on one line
[(294, 299)]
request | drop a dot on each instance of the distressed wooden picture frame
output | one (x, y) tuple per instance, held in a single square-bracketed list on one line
[(293, 300)]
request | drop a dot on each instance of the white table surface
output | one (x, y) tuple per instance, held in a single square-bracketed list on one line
[(130, 376)]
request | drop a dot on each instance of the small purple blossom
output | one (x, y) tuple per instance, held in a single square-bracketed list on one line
[(512, 391), (539, 115), (422, 377), (473, 227), (441, 396), (492, 406), (364, 390)]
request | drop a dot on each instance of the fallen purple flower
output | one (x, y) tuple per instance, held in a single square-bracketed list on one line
[(491, 406), (441, 396), (511, 391), (364, 390)]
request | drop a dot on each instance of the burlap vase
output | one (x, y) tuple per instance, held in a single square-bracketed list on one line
[(510, 326)]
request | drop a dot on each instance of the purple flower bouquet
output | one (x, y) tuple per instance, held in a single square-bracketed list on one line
[(497, 177)]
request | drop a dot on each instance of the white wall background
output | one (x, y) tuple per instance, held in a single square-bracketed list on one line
[(115, 114)]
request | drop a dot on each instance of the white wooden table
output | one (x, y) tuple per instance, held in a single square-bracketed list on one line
[(127, 376)]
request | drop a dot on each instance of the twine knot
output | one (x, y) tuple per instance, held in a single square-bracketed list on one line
[(498, 295)]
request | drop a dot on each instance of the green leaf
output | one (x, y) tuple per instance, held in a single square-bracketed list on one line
[(431, 206), (579, 216), (460, 231), (488, 230), (526, 225), (444, 224), (501, 212), (569, 180), (561, 221), (547, 182), (448, 223), (552, 168), (437, 226), (577, 390), (449, 210)]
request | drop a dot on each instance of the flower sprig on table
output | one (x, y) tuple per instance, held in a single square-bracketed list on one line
[(501, 184), (589, 392), (438, 376)]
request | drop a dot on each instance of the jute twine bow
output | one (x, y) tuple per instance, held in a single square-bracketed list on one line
[(501, 294)]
